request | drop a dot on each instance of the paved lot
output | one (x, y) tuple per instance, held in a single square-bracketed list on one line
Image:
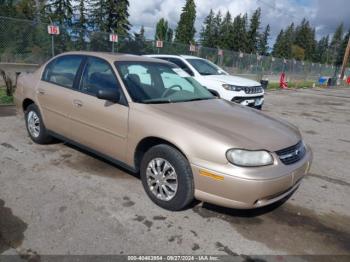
[(57, 200)]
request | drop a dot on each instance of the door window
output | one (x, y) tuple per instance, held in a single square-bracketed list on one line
[(62, 71), (97, 75)]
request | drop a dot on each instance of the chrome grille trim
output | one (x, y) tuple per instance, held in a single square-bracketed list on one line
[(253, 90), (293, 154)]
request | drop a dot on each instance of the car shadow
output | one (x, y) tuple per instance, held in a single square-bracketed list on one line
[(97, 157)]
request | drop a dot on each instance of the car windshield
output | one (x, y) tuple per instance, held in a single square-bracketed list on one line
[(152, 83), (205, 67)]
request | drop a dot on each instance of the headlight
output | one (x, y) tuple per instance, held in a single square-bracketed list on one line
[(241, 157), (232, 87)]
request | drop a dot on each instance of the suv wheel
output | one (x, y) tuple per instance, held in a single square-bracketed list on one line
[(167, 178), (35, 126)]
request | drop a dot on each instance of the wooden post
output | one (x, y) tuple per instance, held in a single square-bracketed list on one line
[(345, 60)]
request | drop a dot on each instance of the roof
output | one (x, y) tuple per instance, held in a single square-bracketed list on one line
[(115, 57), (175, 56)]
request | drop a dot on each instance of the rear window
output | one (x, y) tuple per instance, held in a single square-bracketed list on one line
[(62, 71)]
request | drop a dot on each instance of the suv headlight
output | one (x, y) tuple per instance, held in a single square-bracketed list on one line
[(232, 87), (247, 158)]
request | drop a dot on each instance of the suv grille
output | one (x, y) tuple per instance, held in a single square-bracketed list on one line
[(253, 90), (293, 154)]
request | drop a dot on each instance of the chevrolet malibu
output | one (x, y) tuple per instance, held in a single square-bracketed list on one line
[(151, 117)]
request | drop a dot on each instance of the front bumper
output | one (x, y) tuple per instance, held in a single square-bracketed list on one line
[(256, 101), (237, 192)]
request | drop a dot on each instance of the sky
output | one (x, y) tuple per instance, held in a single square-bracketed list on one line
[(324, 15)]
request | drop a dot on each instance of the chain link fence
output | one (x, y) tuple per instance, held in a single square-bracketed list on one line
[(23, 41)]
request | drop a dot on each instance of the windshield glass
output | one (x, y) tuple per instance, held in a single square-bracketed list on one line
[(205, 67), (149, 82)]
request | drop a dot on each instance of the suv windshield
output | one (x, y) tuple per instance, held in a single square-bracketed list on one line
[(149, 82), (205, 67)]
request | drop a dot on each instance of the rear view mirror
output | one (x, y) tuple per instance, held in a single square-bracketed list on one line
[(109, 94)]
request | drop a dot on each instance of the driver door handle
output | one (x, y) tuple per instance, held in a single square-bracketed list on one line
[(77, 103), (40, 91)]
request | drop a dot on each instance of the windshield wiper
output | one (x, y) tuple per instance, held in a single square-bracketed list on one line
[(196, 99), (157, 102)]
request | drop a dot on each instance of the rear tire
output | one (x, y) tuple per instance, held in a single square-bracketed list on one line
[(35, 126), (167, 177)]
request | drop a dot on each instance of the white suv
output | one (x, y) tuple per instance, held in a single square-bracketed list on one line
[(220, 83)]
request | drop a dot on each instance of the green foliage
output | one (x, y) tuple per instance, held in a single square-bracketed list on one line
[(207, 33), (253, 32), (298, 52), (322, 50), (341, 52), (305, 38), (4, 98), (185, 30), (163, 32), (111, 15), (263, 45), (80, 26), (336, 43), (226, 32)]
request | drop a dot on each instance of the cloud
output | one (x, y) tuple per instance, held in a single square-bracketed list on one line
[(323, 14)]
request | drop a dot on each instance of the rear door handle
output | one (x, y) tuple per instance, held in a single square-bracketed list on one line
[(77, 103)]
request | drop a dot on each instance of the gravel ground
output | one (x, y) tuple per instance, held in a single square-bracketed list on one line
[(57, 199)]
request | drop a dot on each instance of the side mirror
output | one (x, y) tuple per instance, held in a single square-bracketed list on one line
[(109, 94)]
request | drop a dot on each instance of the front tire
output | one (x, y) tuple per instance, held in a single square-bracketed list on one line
[(35, 126), (167, 177)]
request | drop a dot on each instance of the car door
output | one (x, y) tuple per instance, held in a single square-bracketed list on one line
[(99, 124), (55, 90)]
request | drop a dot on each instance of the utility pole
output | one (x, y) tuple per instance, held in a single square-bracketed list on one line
[(345, 60)]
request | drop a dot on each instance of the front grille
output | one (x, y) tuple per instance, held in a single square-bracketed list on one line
[(240, 99), (253, 90), (293, 154)]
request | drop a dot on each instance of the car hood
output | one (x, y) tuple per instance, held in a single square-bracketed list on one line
[(239, 126), (233, 80)]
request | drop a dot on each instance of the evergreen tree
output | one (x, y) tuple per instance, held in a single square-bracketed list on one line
[(185, 30), (169, 35), (321, 52), (60, 12), (277, 50), (305, 38), (161, 30), (26, 9), (343, 45), (239, 33), (207, 33), (139, 43), (81, 25), (263, 46), (253, 32), (217, 27), (110, 15), (8, 8), (336, 42), (226, 32)]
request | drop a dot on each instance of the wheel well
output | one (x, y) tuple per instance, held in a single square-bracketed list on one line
[(145, 144), (27, 102)]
